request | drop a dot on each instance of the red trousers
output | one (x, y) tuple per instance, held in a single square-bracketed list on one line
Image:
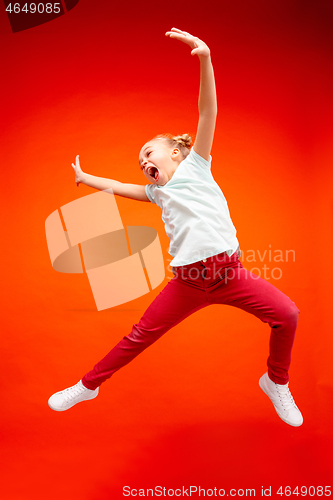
[(216, 280)]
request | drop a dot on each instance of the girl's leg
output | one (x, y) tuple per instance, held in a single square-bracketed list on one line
[(175, 302), (247, 291)]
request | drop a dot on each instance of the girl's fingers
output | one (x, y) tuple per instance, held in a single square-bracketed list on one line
[(184, 37), (176, 30), (174, 34), (77, 162), (181, 38)]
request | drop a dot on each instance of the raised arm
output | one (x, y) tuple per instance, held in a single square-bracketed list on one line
[(133, 191), (207, 93)]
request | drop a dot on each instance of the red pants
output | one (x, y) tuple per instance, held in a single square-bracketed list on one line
[(217, 280)]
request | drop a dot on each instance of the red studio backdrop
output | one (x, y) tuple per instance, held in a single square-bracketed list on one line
[(100, 80)]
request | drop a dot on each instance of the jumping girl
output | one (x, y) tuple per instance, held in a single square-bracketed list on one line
[(205, 253)]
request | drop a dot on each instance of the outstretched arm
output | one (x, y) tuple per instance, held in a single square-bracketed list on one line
[(207, 93), (133, 191)]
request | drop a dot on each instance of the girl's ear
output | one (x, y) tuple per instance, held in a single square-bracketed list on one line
[(175, 153)]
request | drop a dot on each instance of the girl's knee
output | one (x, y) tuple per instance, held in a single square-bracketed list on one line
[(145, 336), (290, 313)]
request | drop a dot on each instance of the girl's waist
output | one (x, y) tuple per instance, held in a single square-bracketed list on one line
[(219, 259)]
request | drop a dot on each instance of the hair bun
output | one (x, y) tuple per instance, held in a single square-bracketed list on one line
[(182, 142), (183, 139)]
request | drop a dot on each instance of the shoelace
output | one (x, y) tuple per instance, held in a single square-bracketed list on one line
[(285, 397), (72, 392)]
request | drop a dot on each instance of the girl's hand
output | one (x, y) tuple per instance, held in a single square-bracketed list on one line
[(77, 170), (198, 47)]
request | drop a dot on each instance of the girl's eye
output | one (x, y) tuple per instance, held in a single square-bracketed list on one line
[(148, 153)]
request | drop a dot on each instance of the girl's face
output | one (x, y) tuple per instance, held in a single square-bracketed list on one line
[(158, 161)]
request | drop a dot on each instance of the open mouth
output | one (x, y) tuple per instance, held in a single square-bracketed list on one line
[(153, 172)]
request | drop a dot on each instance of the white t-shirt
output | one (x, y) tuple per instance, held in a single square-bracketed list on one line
[(195, 212)]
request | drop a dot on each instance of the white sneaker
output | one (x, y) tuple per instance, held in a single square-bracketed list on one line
[(282, 400), (63, 400)]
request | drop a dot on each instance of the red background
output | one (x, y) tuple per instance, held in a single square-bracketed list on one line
[(99, 82)]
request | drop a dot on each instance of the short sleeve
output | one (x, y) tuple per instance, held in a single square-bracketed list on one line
[(199, 160), (149, 188)]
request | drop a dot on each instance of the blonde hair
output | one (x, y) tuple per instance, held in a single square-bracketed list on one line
[(182, 142)]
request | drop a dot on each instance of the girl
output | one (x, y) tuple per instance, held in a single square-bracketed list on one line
[(203, 243)]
